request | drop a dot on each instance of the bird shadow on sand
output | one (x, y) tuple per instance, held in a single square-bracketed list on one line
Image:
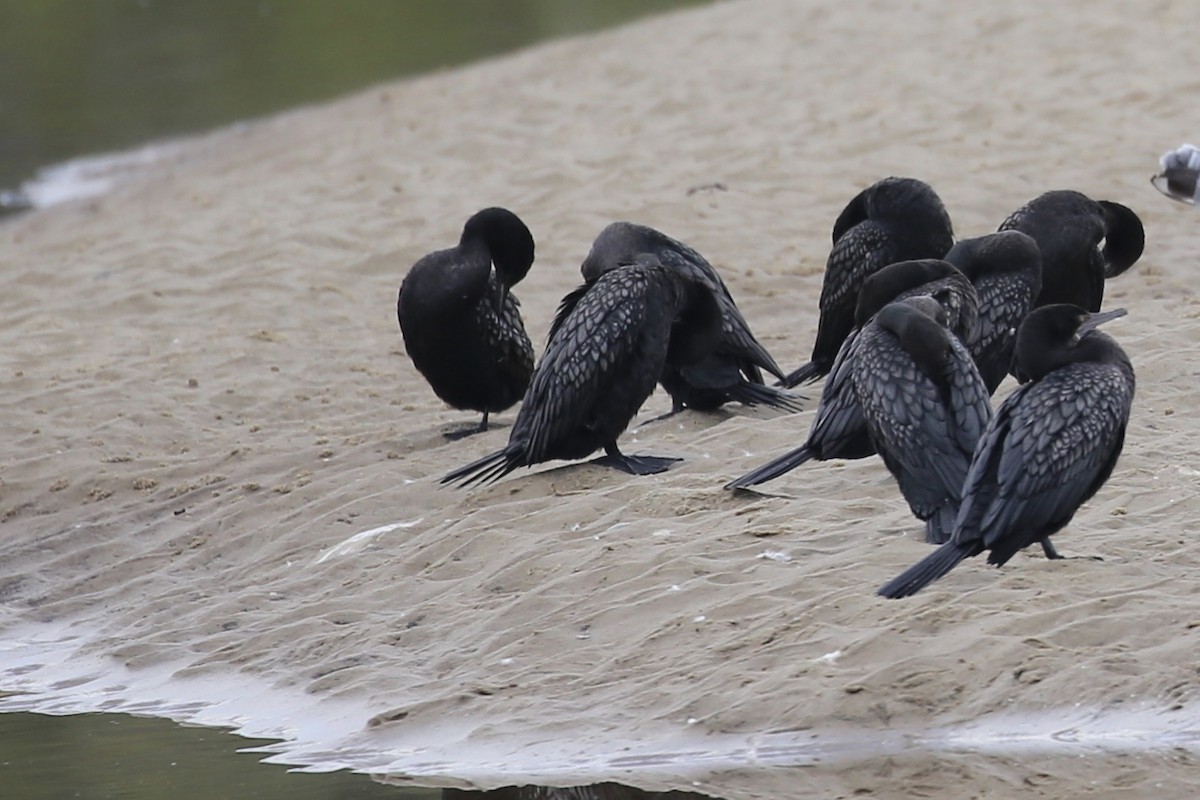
[(462, 430)]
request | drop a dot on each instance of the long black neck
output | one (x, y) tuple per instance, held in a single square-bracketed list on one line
[(1008, 251), (921, 336), (1094, 347), (1124, 238), (894, 280), (505, 238), (697, 329), (1050, 339)]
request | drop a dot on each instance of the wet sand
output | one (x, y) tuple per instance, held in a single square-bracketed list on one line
[(209, 407)]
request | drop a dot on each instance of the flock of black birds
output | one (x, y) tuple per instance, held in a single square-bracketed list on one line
[(916, 333)]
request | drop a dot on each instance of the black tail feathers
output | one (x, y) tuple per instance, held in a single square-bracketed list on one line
[(773, 469), (806, 374), (488, 469), (927, 570), (756, 394)]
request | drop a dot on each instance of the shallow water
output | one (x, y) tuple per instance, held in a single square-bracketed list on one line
[(44, 669), (110, 756), (102, 756), (78, 78)]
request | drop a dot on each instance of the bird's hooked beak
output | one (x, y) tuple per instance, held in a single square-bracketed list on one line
[(1099, 318)]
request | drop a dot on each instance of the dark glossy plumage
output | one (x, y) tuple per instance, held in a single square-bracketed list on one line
[(1006, 270), (925, 277), (924, 404), (839, 429), (461, 325), (896, 219), (1052, 444), (1069, 228), (602, 362), (733, 371)]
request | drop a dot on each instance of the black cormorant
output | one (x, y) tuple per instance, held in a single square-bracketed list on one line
[(839, 429), (1006, 270), (1083, 242), (462, 326), (925, 406), (733, 371), (896, 219), (600, 365), (1051, 445)]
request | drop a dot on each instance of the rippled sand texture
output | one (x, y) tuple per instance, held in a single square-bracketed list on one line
[(206, 395)]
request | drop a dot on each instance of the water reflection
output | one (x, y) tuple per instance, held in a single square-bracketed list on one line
[(79, 78)]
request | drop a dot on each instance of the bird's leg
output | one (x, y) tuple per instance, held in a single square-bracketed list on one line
[(634, 465), (1051, 553), (676, 407), (470, 430)]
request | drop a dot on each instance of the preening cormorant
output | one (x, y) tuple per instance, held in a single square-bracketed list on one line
[(733, 371), (1006, 270), (461, 325), (925, 406), (1052, 443), (839, 429), (1069, 228), (601, 363), (923, 277), (895, 219)]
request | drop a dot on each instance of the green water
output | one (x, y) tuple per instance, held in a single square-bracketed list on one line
[(86, 76), (118, 757)]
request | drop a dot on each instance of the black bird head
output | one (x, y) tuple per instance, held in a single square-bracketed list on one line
[(920, 325), (1083, 242), (620, 244), (908, 204), (930, 307), (994, 253), (929, 276), (509, 242), (1056, 335), (1124, 238), (623, 242)]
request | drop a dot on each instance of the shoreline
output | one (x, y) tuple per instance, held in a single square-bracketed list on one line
[(324, 735)]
